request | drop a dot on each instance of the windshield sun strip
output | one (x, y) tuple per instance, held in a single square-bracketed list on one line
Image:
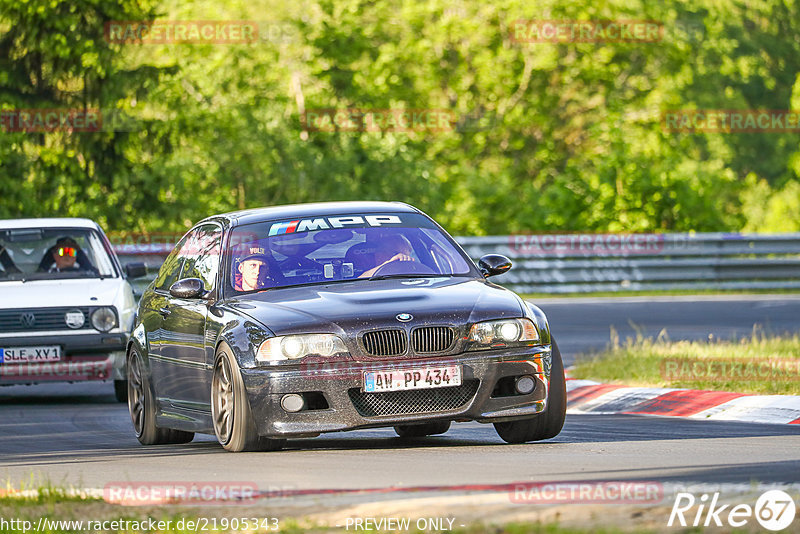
[(326, 282)]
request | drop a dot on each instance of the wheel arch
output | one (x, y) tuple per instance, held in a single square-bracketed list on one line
[(541, 322), (140, 342), (243, 336)]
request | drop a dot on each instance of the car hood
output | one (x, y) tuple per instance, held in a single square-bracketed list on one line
[(350, 307), (56, 293)]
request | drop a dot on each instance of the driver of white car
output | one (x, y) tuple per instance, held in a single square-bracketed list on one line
[(65, 256)]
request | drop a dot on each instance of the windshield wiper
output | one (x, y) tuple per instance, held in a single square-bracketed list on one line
[(407, 275)]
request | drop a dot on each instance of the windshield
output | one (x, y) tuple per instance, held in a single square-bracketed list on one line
[(53, 253), (351, 247)]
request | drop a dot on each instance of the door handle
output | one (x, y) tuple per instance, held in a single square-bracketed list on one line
[(165, 312)]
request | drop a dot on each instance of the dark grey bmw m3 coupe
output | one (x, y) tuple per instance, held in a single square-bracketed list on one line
[(286, 322)]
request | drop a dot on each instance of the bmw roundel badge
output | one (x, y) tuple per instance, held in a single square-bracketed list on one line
[(404, 317)]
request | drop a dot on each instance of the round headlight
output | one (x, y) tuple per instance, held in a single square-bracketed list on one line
[(293, 347), (74, 318), (104, 319), (509, 331)]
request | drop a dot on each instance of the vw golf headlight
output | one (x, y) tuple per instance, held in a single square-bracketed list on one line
[(497, 334), (299, 346), (104, 319)]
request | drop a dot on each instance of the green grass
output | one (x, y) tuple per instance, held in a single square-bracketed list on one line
[(46, 502), (38, 493), (758, 364), (170, 522)]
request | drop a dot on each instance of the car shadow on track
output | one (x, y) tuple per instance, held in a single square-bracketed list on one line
[(58, 393)]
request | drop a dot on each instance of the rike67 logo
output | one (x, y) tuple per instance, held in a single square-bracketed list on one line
[(774, 510)]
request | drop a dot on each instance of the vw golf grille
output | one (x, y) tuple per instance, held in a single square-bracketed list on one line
[(38, 319)]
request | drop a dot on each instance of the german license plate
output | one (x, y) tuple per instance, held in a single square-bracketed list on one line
[(406, 379), (30, 354)]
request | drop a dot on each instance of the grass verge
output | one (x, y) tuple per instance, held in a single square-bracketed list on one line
[(759, 364), (25, 515)]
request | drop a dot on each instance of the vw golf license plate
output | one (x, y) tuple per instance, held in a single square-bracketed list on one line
[(30, 354), (405, 379)]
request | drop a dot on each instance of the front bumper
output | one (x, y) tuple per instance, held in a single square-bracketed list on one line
[(480, 399), (85, 356)]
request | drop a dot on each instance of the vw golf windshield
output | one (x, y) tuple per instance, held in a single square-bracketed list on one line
[(340, 248), (53, 253)]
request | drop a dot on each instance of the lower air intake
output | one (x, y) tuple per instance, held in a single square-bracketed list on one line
[(415, 401)]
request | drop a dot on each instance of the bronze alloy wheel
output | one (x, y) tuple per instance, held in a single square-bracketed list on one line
[(142, 407), (136, 394), (222, 401), (230, 409)]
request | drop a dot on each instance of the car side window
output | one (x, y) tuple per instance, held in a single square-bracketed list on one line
[(201, 254), (171, 268)]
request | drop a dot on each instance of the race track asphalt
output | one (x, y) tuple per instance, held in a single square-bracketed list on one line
[(584, 325), (76, 433)]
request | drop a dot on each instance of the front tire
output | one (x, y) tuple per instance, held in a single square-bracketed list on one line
[(547, 424), (230, 409), (142, 407), (420, 431)]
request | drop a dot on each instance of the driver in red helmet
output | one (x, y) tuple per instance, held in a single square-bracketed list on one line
[(392, 248)]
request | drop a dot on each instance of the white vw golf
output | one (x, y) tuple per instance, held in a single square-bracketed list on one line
[(66, 306)]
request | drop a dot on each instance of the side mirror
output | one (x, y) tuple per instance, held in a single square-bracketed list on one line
[(136, 270), (188, 288), (493, 264)]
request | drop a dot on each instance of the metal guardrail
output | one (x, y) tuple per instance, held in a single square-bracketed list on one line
[(582, 263)]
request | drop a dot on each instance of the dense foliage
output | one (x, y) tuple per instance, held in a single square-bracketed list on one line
[(549, 136)]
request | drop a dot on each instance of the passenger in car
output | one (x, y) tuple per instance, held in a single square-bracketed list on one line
[(392, 248)]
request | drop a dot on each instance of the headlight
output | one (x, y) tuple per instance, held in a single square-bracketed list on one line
[(491, 334), (75, 318), (299, 346), (104, 319)]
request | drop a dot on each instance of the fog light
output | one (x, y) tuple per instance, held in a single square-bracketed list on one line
[(293, 402), (525, 385)]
